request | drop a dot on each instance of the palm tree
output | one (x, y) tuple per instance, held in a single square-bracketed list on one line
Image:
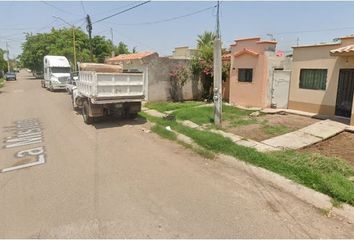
[(205, 39)]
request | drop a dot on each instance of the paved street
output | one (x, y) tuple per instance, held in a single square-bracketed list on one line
[(113, 179)]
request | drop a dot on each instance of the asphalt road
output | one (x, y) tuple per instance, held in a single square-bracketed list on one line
[(62, 178)]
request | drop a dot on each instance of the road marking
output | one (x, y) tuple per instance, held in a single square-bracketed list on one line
[(25, 132)]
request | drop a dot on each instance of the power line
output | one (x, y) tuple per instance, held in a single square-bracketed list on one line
[(83, 7), (123, 11), (167, 19), (57, 8)]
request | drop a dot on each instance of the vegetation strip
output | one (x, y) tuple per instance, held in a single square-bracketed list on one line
[(324, 174)]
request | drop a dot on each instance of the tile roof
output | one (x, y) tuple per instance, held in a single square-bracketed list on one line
[(346, 49), (246, 51), (132, 56)]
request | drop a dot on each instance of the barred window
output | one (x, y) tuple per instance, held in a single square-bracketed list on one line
[(245, 74), (313, 79)]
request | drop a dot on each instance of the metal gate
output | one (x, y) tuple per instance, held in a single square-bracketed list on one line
[(280, 88), (345, 92)]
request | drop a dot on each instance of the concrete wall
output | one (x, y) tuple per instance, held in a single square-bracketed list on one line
[(317, 101), (157, 71)]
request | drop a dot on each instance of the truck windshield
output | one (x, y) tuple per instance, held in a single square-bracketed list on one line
[(60, 70)]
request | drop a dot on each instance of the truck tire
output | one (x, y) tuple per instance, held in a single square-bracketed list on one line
[(72, 102), (85, 113)]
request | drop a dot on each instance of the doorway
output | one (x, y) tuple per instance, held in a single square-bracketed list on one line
[(345, 92)]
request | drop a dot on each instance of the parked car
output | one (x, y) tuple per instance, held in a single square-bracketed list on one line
[(71, 82), (10, 76)]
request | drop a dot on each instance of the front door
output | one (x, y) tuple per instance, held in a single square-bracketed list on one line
[(345, 93)]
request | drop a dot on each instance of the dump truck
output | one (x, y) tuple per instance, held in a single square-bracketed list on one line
[(104, 90)]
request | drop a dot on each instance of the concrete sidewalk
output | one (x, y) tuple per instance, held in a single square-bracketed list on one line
[(307, 136)]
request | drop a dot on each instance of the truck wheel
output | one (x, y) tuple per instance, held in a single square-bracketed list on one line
[(132, 115), (72, 102), (51, 87), (85, 113)]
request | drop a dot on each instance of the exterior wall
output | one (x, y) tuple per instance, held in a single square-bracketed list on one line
[(256, 93), (245, 93), (158, 81), (317, 101), (183, 53)]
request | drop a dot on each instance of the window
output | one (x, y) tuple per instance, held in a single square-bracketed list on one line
[(313, 79), (245, 74)]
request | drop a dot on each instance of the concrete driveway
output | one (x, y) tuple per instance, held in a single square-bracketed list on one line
[(113, 180)]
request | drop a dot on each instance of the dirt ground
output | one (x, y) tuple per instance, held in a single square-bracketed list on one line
[(341, 145), (271, 125)]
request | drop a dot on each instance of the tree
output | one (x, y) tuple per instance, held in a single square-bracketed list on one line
[(122, 48), (3, 63), (202, 64), (59, 42), (205, 39)]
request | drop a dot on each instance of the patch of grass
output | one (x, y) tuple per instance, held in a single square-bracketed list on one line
[(2, 82), (163, 132), (243, 122), (326, 211), (200, 115), (201, 151), (324, 174), (336, 203), (275, 129), (204, 115), (169, 106)]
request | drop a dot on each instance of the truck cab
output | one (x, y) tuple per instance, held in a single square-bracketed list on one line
[(56, 72)]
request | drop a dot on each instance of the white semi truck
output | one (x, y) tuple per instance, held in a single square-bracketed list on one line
[(103, 89), (56, 72)]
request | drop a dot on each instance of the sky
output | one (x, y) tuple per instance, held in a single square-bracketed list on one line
[(150, 28)]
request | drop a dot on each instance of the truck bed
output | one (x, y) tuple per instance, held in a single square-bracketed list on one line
[(108, 87)]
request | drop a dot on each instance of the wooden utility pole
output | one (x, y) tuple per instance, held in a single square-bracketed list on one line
[(74, 48), (74, 38), (112, 42), (89, 30), (8, 56), (217, 74)]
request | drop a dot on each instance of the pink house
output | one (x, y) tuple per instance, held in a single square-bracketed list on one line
[(259, 76)]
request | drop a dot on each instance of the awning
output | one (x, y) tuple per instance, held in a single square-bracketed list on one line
[(343, 51)]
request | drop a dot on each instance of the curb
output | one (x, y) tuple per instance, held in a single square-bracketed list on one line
[(308, 195)]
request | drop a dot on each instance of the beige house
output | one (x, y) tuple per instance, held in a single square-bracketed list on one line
[(322, 79), (259, 75), (183, 53)]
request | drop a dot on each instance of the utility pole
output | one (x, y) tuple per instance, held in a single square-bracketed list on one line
[(8, 56), (74, 48), (217, 73), (89, 30), (74, 38), (297, 41), (112, 42)]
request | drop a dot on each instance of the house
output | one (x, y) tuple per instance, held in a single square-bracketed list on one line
[(323, 78), (259, 75), (183, 53), (226, 59), (159, 85)]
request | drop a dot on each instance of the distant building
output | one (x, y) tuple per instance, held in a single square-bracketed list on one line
[(322, 79), (259, 75), (184, 53)]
